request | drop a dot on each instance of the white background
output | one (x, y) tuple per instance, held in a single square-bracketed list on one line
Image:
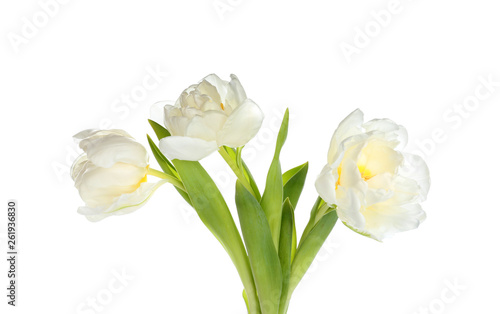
[(70, 73)]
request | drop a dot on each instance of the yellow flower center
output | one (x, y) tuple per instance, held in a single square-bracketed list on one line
[(365, 174), (222, 106), (339, 170), (145, 179)]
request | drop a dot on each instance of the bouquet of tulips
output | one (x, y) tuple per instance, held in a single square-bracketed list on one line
[(368, 183)]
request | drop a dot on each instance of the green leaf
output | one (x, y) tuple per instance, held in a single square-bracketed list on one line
[(272, 199), (312, 220), (285, 251), (245, 298), (214, 213), (310, 247), (233, 154), (293, 183), (159, 129), (262, 253), (167, 167)]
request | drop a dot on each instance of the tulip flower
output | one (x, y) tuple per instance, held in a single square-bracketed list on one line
[(376, 187), (208, 115), (111, 174)]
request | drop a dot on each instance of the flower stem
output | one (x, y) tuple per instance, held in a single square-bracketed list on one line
[(237, 170), (170, 179)]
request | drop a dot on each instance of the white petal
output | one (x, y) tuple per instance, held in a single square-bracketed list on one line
[(108, 150), (349, 208), (376, 158), (236, 94), (207, 88), (87, 136), (157, 111), (220, 86), (125, 204), (212, 106), (207, 126), (391, 130), (78, 165), (186, 148), (325, 185), (379, 189), (383, 222), (175, 123), (101, 186), (242, 125), (414, 167), (406, 191), (350, 126)]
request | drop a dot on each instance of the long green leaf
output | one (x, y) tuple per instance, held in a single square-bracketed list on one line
[(214, 213), (285, 251), (262, 253), (160, 131), (310, 247), (293, 183), (167, 167), (312, 220), (272, 199)]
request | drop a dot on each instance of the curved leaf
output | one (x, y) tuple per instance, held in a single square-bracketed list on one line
[(272, 199), (285, 251), (214, 213), (310, 247), (293, 183), (262, 253)]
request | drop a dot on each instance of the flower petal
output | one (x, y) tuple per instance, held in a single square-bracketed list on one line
[(101, 186), (175, 122), (212, 89), (104, 148), (377, 158), (86, 136), (220, 87), (242, 125), (414, 167), (125, 204), (236, 94), (108, 150), (78, 165), (325, 185), (383, 221), (157, 111), (206, 126), (392, 131), (350, 126), (186, 148), (349, 208)]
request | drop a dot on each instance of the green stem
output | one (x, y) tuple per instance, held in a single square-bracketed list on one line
[(170, 179), (237, 170)]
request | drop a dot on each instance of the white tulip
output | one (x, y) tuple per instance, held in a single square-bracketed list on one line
[(376, 187), (207, 116), (111, 174)]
